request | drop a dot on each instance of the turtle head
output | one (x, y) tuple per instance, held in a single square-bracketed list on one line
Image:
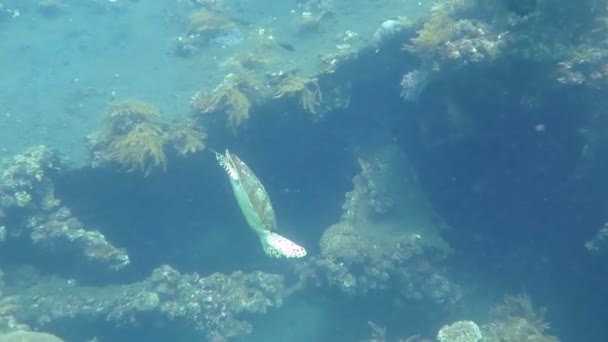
[(225, 161), (278, 246)]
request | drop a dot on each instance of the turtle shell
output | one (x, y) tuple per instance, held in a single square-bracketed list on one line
[(255, 192)]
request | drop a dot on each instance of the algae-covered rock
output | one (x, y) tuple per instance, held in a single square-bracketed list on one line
[(29, 336)]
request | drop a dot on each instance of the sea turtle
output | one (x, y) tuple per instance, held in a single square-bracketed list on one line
[(256, 207)]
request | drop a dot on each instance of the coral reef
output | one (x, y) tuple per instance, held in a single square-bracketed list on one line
[(413, 84), (308, 90), (436, 31), (212, 304), (389, 29), (584, 65), (599, 241), (234, 96), (376, 247), (378, 333), (29, 204), (461, 331), (28, 336), (453, 37)]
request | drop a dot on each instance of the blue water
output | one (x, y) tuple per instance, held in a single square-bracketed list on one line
[(465, 189)]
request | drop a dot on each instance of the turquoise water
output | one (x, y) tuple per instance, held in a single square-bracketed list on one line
[(441, 163)]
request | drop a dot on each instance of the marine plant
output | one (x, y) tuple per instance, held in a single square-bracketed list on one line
[(142, 148), (248, 60), (307, 89), (207, 23), (187, 137), (233, 96), (378, 333), (124, 115), (133, 137), (518, 321), (437, 30)]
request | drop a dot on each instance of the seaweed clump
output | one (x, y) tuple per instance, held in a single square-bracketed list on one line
[(133, 137), (206, 24), (234, 96), (188, 137), (307, 89), (437, 30), (518, 320)]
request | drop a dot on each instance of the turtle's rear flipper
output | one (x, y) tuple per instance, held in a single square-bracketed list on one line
[(278, 246)]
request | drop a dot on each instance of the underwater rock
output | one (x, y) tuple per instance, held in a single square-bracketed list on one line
[(232, 37), (413, 84), (376, 248), (217, 303), (521, 7), (27, 199), (387, 30), (29, 336), (461, 331)]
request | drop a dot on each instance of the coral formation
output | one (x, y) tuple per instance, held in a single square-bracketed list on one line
[(375, 247), (446, 39), (28, 201), (599, 241), (378, 333), (461, 331), (214, 304), (437, 30), (28, 336), (307, 89)]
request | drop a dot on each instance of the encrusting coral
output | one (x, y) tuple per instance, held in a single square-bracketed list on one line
[(29, 207), (307, 88)]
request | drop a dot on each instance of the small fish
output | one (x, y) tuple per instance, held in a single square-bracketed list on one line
[(286, 46)]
